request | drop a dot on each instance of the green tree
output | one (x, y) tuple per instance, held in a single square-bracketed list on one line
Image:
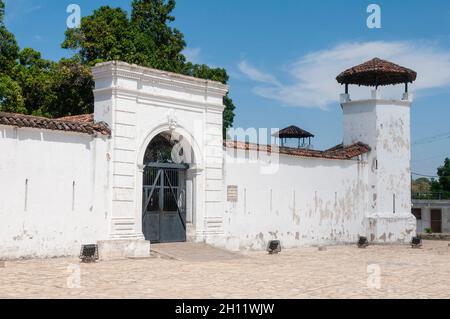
[(103, 36), (435, 186), (11, 99), (228, 114), (45, 88), (33, 85), (146, 39), (444, 175), (73, 86), (2, 11), (421, 185), (442, 184), (35, 77), (9, 50), (157, 44)]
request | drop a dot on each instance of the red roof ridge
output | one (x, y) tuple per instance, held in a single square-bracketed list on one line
[(82, 118), (339, 152), (62, 124)]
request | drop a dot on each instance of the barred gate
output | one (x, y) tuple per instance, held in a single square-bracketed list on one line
[(164, 198)]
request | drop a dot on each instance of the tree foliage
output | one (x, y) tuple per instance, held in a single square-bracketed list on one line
[(443, 183), (2, 11), (157, 44), (421, 185), (35, 77), (73, 84), (145, 39), (11, 99), (33, 85), (103, 36), (9, 50)]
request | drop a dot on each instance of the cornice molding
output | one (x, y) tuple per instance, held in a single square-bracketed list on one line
[(377, 102), (117, 69), (147, 98)]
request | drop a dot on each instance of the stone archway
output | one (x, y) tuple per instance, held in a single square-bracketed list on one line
[(139, 103)]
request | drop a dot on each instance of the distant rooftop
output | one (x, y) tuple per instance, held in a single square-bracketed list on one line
[(293, 132)]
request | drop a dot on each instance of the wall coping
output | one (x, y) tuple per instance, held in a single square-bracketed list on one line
[(115, 69)]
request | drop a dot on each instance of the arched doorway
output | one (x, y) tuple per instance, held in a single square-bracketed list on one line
[(166, 162)]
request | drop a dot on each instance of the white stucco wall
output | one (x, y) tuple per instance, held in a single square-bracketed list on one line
[(318, 201), (52, 192), (306, 201), (385, 126)]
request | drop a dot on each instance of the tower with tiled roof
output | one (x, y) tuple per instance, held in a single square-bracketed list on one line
[(384, 125)]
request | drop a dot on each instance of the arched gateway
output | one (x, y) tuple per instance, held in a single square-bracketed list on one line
[(164, 211), (166, 159)]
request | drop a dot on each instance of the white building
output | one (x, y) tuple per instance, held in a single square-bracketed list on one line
[(432, 215), (151, 165)]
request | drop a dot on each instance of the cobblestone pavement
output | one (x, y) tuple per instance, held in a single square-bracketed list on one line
[(338, 272)]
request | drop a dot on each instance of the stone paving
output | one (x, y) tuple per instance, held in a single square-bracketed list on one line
[(337, 272), (191, 252)]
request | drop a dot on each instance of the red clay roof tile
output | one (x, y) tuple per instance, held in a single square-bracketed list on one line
[(377, 72), (83, 125), (339, 152)]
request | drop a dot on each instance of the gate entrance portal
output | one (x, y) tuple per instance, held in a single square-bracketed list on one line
[(164, 192), (164, 218)]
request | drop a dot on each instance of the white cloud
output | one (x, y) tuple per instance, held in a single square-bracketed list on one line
[(31, 9), (17, 9), (314, 74), (257, 75), (193, 54)]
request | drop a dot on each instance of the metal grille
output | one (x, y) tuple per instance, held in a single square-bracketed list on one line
[(164, 213)]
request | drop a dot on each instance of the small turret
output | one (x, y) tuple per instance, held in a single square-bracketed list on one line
[(294, 132)]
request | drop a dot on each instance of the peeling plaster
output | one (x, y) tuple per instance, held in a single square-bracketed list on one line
[(355, 197)]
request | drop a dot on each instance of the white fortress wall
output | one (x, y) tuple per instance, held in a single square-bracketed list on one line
[(305, 201), (53, 192)]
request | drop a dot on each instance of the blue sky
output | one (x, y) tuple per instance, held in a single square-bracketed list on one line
[(282, 57)]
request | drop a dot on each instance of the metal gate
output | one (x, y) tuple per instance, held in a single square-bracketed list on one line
[(164, 198)]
